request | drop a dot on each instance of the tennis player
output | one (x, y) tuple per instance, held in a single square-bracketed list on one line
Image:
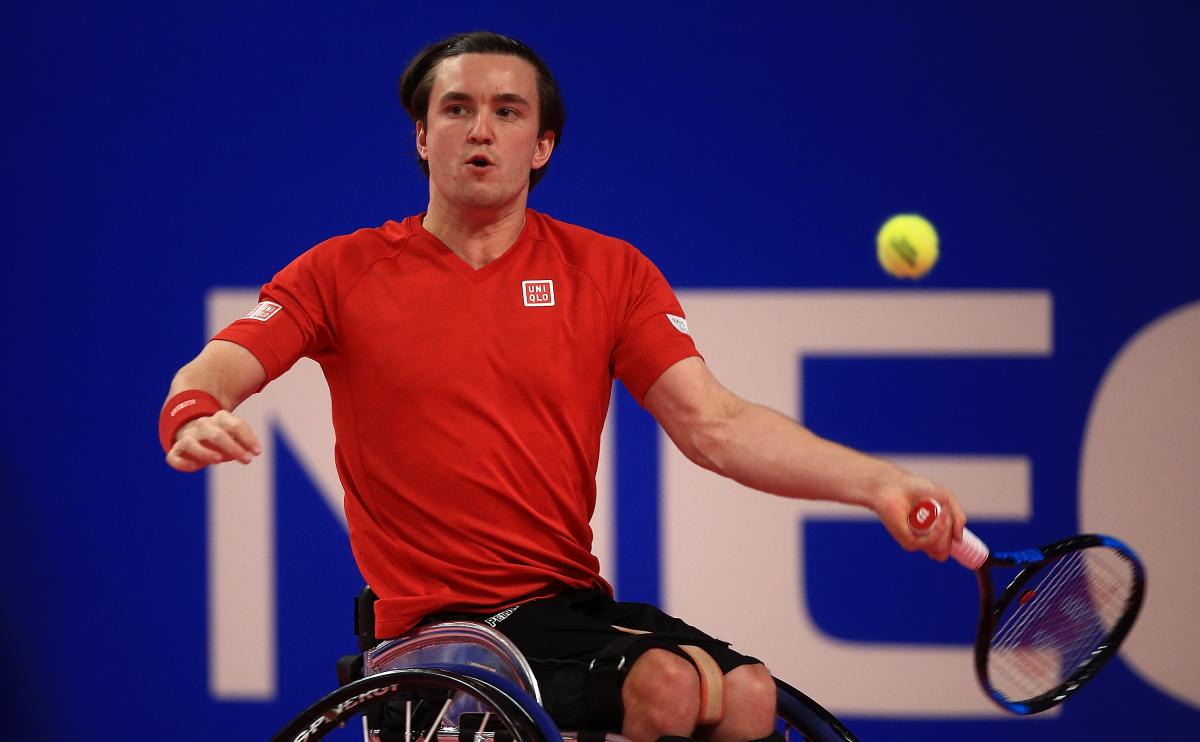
[(470, 352)]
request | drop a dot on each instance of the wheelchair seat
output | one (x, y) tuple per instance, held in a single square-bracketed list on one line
[(459, 643)]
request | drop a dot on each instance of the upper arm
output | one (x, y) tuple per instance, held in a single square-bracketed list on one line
[(226, 370), (691, 406)]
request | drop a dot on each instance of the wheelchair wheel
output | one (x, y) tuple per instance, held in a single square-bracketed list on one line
[(442, 703), (801, 718)]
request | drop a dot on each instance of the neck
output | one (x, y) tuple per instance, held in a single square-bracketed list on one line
[(477, 235)]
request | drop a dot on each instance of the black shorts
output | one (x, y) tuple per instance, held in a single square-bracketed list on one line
[(561, 635)]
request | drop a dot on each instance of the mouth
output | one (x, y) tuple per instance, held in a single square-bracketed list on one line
[(479, 161)]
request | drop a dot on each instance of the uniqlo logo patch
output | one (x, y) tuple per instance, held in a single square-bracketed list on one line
[(264, 311), (538, 293)]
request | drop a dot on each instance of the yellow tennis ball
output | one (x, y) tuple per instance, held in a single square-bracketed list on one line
[(907, 246)]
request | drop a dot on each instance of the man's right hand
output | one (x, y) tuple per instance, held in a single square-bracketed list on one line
[(230, 373), (220, 437)]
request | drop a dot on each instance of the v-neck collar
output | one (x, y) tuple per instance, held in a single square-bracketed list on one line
[(474, 275)]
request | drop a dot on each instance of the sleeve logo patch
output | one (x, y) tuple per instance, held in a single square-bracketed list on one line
[(680, 323), (264, 311), (538, 293)]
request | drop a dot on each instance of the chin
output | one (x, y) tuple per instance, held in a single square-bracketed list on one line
[(485, 197)]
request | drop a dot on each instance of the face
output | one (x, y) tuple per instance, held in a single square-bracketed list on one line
[(481, 134)]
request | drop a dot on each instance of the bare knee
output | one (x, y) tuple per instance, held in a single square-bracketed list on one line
[(754, 686), (661, 696)]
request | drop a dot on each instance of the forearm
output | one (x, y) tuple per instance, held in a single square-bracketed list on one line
[(225, 370), (767, 451)]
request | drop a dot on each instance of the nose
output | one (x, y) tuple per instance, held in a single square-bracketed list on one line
[(481, 129)]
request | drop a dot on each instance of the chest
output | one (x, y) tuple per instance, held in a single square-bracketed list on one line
[(544, 327)]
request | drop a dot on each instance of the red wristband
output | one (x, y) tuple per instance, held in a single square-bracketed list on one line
[(182, 409)]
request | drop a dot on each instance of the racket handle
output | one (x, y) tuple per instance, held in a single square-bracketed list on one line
[(971, 552)]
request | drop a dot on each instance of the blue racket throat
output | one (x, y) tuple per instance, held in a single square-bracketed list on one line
[(1019, 558)]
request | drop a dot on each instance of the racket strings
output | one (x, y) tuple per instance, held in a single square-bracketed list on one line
[(1022, 657), (1058, 622), (1045, 597)]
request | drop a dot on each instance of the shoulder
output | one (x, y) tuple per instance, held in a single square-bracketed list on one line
[(346, 256), (586, 249), (362, 246)]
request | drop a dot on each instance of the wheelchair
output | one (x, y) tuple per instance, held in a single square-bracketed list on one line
[(464, 681)]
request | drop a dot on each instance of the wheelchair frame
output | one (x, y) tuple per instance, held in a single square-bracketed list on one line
[(501, 682), (520, 718)]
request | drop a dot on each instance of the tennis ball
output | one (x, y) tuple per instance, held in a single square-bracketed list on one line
[(907, 246)]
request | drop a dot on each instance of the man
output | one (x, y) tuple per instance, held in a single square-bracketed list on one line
[(470, 352)]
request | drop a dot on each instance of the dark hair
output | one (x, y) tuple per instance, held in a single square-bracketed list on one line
[(416, 83)]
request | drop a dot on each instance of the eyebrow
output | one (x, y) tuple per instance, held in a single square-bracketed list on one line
[(454, 95)]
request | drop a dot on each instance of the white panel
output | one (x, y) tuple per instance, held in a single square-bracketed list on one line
[(241, 530), (1140, 482), (241, 549), (604, 519), (988, 487)]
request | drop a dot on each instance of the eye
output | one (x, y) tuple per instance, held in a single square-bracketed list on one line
[(507, 113), (456, 110)]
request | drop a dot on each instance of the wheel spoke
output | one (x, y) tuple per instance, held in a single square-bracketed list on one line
[(437, 723), (482, 726)]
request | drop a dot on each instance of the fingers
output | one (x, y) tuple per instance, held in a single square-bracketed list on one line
[(948, 526), (905, 494), (213, 440), (935, 542), (239, 431), (941, 547), (952, 522)]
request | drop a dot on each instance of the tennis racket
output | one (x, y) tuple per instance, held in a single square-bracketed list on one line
[(1057, 622)]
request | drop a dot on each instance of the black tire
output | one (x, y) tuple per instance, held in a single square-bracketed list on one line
[(511, 707), (802, 718)]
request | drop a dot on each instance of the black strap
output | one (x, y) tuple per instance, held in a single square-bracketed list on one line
[(615, 652), (364, 618), (349, 669), (606, 675)]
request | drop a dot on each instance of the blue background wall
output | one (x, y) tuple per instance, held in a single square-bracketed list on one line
[(153, 153)]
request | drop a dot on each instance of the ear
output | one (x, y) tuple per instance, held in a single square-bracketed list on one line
[(543, 150), (422, 149)]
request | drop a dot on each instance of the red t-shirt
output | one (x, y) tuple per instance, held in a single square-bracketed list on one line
[(468, 404)]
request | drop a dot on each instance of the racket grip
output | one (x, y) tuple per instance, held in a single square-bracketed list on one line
[(971, 552)]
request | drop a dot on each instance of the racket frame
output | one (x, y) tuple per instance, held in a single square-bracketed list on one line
[(1030, 562)]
